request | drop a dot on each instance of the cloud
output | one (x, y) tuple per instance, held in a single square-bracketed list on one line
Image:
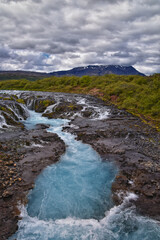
[(76, 33), (4, 53)]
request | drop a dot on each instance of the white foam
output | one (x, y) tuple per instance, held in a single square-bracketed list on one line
[(74, 228), (99, 113), (50, 108), (68, 228), (34, 145), (3, 121), (74, 126), (117, 209)]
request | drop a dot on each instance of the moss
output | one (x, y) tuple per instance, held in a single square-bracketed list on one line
[(11, 121), (47, 102), (3, 109), (7, 98), (49, 115), (73, 107), (19, 100), (14, 96), (41, 105), (60, 109)]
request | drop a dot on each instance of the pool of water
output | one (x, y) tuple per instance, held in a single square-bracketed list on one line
[(71, 199)]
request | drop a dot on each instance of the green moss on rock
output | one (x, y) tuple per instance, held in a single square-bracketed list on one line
[(41, 105), (19, 100)]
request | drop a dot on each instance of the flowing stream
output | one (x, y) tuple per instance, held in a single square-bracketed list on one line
[(71, 199)]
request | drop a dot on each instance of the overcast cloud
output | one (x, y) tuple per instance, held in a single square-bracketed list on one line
[(49, 35)]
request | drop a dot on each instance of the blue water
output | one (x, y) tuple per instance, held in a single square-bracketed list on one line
[(71, 199)]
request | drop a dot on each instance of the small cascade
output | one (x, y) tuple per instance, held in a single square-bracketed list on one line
[(52, 107), (98, 112), (19, 110), (12, 112), (3, 123), (62, 105), (30, 103)]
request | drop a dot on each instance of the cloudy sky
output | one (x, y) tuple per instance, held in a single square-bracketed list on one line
[(49, 35)]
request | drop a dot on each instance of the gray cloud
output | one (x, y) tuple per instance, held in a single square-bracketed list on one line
[(48, 35), (4, 53)]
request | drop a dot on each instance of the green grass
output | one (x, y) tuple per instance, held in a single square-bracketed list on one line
[(139, 95)]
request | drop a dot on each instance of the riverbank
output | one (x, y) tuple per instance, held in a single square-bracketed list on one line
[(135, 148), (24, 154)]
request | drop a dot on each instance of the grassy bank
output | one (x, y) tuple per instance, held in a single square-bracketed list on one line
[(137, 94)]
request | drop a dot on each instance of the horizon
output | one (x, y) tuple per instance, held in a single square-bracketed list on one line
[(42, 72), (56, 71), (67, 69)]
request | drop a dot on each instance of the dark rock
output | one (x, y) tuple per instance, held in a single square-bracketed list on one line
[(86, 114), (42, 126)]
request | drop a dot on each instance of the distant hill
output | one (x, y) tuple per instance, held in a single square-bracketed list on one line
[(12, 75), (99, 70), (91, 70)]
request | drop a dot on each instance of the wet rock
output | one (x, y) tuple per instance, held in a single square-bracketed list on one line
[(87, 114), (12, 112), (41, 104), (42, 126), (63, 110)]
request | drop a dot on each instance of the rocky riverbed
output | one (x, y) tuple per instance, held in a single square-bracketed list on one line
[(115, 134), (135, 148)]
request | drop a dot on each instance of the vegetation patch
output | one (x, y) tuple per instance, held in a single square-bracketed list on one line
[(139, 95), (20, 101), (41, 105)]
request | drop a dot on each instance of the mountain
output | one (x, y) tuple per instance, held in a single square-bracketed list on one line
[(99, 70), (90, 70)]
